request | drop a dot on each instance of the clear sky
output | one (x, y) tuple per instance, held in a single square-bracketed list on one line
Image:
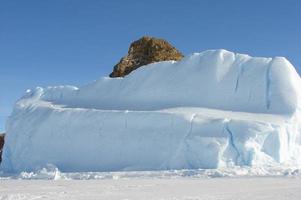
[(55, 42)]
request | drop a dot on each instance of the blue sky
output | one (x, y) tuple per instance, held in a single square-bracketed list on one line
[(56, 42)]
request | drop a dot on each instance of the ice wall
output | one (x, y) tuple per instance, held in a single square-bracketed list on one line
[(213, 109)]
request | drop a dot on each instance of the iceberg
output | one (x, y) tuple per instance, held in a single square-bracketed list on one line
[(213, 109)]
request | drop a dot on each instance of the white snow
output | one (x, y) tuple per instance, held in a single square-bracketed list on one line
[(214, 109), (154, 189)]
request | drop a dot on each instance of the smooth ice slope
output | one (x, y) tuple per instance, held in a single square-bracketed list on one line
[(212, 109)]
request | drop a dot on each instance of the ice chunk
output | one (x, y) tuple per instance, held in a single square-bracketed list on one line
[(212, 109)]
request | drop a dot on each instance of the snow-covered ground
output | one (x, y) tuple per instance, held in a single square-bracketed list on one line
[(266, 188), (208, 184)]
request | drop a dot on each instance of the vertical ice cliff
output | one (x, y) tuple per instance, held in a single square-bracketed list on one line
[(211, 109)]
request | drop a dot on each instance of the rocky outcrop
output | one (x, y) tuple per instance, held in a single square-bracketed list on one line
[(144, 51), (1, 145)]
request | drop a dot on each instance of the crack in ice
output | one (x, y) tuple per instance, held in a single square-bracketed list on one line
[(231, 141)]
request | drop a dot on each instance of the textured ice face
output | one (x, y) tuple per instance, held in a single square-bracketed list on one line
[(212, 109)]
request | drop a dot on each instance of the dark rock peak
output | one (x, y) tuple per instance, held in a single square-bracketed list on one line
[(144, 51)]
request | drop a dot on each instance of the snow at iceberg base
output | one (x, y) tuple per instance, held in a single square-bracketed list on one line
[(212, 109)]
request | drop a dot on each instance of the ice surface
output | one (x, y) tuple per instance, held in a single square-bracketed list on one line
[(158, 189), (213, 109)]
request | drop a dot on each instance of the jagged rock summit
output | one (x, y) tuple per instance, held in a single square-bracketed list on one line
[(144, 51)]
